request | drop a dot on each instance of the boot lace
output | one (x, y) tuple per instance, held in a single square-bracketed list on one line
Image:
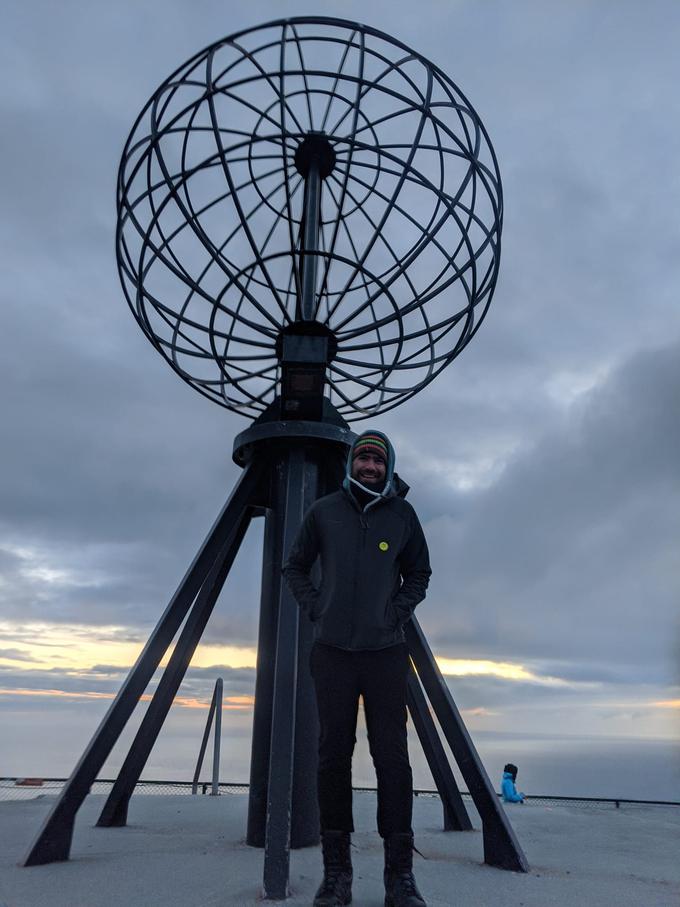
[(407, 883), (328, 884)]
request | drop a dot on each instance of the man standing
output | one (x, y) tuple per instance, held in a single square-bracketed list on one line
[(374, 571)]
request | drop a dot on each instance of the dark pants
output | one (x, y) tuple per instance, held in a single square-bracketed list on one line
[(340, 678)]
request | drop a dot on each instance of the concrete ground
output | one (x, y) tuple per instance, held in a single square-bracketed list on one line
[(190, 851)]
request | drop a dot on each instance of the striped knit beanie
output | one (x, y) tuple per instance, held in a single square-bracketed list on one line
[(372, 442), (377, 443)]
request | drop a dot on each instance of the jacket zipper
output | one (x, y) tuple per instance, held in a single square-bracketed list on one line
[(363, 525)]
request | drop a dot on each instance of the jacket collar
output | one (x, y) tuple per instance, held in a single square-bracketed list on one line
[(398, 489)]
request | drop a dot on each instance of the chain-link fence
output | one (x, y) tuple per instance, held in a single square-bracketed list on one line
[(30, 788), (555, 800)]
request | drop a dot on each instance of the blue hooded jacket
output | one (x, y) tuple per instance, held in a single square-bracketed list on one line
[(509, 791)]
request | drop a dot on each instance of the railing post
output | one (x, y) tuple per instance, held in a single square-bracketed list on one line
[(218, 735), (215, 706)]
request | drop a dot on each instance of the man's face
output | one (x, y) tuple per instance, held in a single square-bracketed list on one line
[(369, 469)]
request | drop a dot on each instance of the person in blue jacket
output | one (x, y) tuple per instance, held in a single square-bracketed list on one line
[(508, 789)]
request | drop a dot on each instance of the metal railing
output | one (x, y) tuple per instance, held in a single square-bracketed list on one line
[(29, 788), (556, 799)]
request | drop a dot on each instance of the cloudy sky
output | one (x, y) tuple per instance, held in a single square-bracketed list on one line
[(543, 462)]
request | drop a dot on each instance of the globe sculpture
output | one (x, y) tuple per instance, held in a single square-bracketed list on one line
[(401, 237), (309, 219)]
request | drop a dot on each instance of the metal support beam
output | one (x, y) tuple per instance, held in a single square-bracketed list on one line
[(215, 791), (304, 816), (115, 809), (305, 822), (314, 160), (455, 814), (299, 474), (501, 847), (215, 704), (53, 841), (272, 558), (310, 239)]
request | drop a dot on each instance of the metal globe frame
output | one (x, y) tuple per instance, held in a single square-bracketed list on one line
[(309, 219), (214, 214)]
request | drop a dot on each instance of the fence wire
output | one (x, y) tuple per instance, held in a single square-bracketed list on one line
[(31, 788)]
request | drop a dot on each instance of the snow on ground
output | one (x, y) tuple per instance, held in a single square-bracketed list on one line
[(180, 851)]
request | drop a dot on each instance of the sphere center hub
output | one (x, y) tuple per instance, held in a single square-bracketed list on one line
[(315, 149)]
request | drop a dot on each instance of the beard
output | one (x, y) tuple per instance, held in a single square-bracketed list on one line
[(373, 484)]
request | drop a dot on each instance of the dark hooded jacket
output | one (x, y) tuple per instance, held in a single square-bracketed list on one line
[(374, 562)]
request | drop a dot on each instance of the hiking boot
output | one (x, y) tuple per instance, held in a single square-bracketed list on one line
[(400, 886), (336, 888)]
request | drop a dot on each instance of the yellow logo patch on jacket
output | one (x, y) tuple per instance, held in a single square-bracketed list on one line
[(383, 546)]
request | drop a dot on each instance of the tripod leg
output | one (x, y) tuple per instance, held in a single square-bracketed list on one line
[(204, 742), (301, 475), (455, 814), (501, 847), (115, 809), (53, 841)]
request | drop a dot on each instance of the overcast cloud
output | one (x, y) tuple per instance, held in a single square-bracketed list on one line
[(543, 462)]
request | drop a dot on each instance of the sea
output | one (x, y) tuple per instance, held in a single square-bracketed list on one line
[(49, 745)]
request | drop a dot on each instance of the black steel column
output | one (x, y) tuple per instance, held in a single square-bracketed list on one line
[(272, 558), (455, 814), (298, 474), (304, 807), (310, 238), (305, 820), (324, 447), (53, 841), (314, 160), (501, 847)]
